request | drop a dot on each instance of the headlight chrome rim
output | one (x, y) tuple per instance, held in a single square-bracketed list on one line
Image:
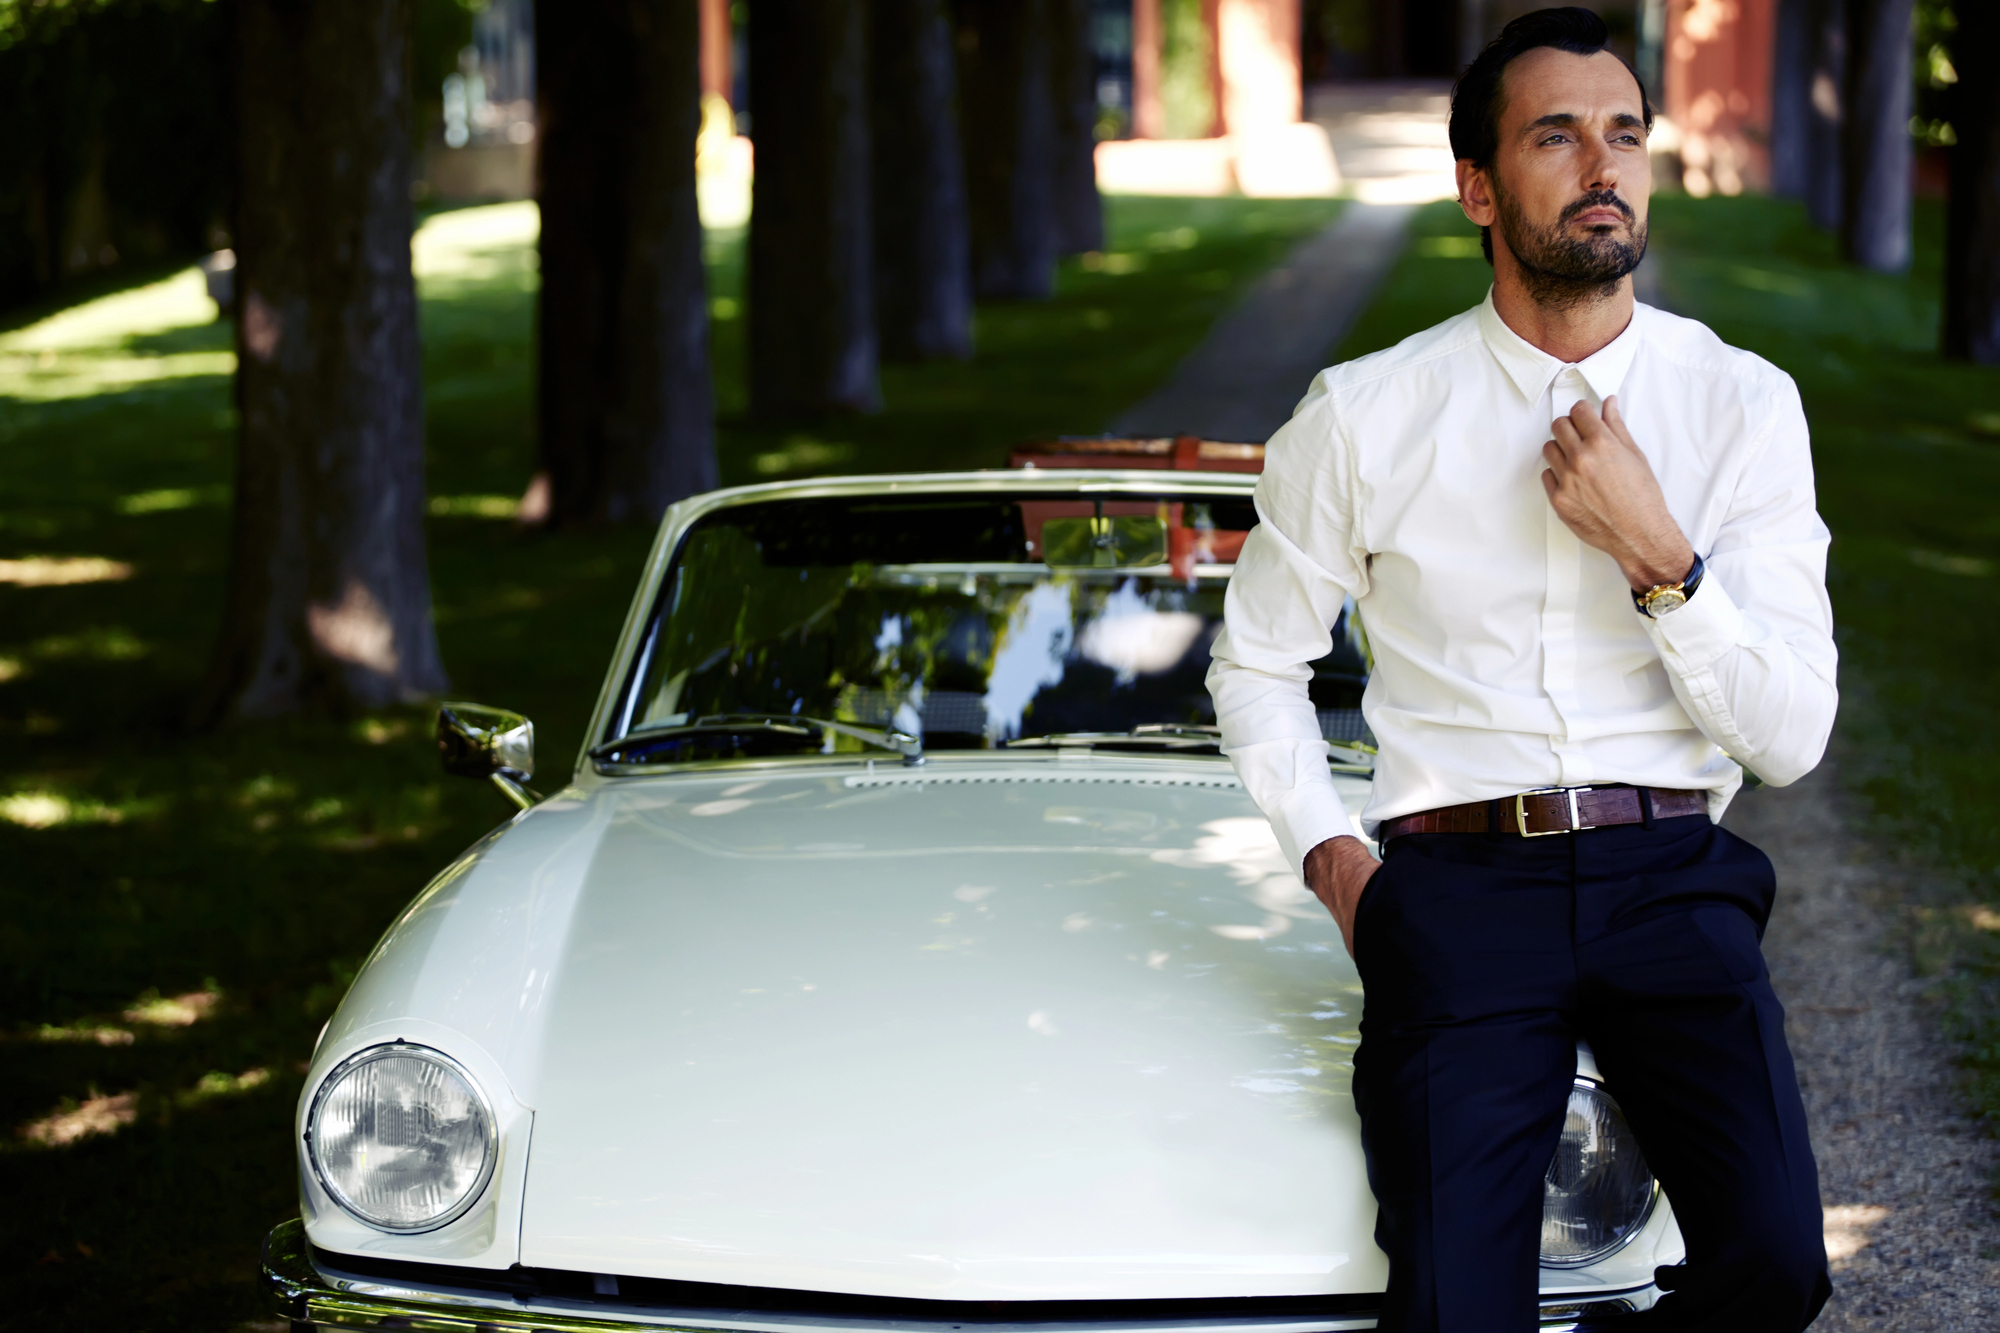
[(491, 1138), (1639, 1224)]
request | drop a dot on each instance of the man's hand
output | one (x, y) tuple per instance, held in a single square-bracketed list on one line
[(1337, 871), (1605, 491)]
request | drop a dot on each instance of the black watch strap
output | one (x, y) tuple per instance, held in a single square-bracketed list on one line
[(1688, 586)]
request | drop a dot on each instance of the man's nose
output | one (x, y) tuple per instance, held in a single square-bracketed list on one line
[(1600, 168)]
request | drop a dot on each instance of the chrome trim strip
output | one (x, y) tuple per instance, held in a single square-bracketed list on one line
[(296, 1291), (678, 518), (864, 761)]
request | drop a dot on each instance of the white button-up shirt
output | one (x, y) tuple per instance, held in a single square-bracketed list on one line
[(1507, 654)]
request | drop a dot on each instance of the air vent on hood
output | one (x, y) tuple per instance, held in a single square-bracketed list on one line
[(1225, 780)]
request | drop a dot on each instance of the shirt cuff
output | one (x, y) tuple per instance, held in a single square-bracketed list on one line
[(1290, 783), (1308, 818), (1699, 630)]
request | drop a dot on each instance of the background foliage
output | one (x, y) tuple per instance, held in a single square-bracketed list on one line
[(117, 114), (120, 147)]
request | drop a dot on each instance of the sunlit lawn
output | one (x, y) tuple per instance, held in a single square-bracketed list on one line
[(1907, 452), (179, 913)]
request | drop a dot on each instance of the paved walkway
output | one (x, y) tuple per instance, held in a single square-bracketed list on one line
[(1389, 138), (1242, 382)]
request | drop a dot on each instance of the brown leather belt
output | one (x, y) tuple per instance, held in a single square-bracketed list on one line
[(1550, 810)]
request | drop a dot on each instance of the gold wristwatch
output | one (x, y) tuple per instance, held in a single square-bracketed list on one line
[(1661, 598)]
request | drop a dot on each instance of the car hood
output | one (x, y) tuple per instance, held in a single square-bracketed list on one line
[(1055, 1029)]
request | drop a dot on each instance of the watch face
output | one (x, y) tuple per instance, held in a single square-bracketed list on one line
[(1665, 600)]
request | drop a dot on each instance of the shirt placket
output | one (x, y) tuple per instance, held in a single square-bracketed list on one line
[(1559, 610)]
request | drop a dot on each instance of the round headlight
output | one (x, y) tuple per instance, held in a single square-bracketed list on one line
[(1599, 1190), (401, 1137)]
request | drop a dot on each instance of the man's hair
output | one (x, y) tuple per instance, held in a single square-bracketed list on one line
[(1479, 96)]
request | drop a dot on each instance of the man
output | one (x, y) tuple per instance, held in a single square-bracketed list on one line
[(1581, 536)]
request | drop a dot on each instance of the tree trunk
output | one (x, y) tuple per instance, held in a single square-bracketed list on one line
[(1791, 100), (811, 262), (923, 262), (1009, 110), (1972, 227), (329, 594), (627, 406), (1875, 206), (1079, 213), (1826, 90)]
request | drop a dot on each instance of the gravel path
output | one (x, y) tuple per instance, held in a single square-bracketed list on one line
[(1904, 1176)]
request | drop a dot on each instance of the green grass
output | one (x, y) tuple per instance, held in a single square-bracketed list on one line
[(254, 867), (1907, 452)]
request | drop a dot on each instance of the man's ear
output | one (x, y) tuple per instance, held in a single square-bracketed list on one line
[(1475, 193)]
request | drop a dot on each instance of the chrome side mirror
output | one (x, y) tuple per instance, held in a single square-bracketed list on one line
[(475, 741)]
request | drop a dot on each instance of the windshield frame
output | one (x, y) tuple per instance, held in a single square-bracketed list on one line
[(617, 700)]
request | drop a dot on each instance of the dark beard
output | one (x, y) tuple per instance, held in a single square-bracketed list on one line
[(1562, 271)]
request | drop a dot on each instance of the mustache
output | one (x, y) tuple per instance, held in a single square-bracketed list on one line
[(1597, 199)]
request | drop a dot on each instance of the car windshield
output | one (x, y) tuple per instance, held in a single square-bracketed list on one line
[(964, 621)]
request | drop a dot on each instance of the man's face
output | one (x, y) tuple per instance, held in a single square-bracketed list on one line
[(1567, 191)]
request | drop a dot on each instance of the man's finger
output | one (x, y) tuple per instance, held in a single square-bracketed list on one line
[(1549, 483), (1588, 424), (1567, 436), (1553, 455), (1616, 421)]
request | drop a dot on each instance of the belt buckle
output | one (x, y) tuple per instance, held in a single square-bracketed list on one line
[(1576, 824)]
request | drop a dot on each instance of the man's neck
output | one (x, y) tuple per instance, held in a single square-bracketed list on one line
[(1567, 332)]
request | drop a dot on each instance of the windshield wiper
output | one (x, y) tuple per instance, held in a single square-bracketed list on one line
[(904, 744), (1166, 735)]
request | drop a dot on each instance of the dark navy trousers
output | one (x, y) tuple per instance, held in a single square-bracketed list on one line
[(1484, 957)]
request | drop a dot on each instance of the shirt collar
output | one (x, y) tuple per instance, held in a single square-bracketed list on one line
[(1532, 369)]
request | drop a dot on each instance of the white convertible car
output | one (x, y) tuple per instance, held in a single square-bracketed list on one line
[(901, 954)]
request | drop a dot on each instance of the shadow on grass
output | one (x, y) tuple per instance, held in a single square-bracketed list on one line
[(257, 866)]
